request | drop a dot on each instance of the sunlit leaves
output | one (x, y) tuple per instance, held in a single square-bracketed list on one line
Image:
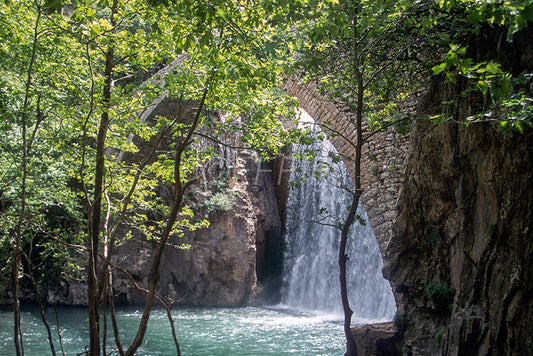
[(383, 45), (512, 14)]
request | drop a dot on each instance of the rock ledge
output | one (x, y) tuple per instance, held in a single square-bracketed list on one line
[(376, 339)]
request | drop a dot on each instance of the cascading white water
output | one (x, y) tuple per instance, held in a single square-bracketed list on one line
[(311, 272)]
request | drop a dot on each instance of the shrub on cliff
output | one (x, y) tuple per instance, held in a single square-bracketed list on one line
[(441, 295)]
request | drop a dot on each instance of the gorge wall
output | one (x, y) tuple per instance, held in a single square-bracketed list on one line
[(461, 255), (220, 266)]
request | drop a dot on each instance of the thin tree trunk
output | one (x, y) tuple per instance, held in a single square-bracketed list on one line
[(350, 341), (348, 312), (104, 324), (58, 329), (120, 349), (103, 283), (93, 299), (95, 218), (17, 331), (39, 300), (351, 346), (173, 329), (106, 276), (154, 275), (43, 316)]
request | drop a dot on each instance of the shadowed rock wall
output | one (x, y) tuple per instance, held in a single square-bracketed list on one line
[(461, 256)]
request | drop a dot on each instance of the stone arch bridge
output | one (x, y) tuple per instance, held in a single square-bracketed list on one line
[(383, 157)]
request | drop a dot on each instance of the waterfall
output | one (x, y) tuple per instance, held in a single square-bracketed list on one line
[(311, 272)]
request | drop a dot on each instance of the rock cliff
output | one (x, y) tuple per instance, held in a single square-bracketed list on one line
[(219, 267), (461, 257)]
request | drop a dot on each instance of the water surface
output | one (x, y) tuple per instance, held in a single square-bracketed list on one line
[(206, 331)]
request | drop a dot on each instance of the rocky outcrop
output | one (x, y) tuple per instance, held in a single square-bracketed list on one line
[(377, 339), (461, 257), (218, 269)]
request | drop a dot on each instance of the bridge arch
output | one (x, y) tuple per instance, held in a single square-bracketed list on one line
[(383, 155)]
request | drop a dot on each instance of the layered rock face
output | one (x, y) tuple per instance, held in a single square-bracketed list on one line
[(220, 266), (461, 256)]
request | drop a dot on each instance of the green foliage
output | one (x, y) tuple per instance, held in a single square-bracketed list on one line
[(52, 65), (360, 220), (506, 98), (325, 45), (216, 185), (222, 48), (441, 295), (486, 76), (514, 15), (373, 168), (220, 202), (515, 112), (220, 198), (401, 123), (30, 101)]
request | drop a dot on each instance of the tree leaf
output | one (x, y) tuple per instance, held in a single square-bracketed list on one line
[(493, 68), (439, 68)]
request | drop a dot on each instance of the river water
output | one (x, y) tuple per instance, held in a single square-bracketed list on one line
[(201, 332)]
